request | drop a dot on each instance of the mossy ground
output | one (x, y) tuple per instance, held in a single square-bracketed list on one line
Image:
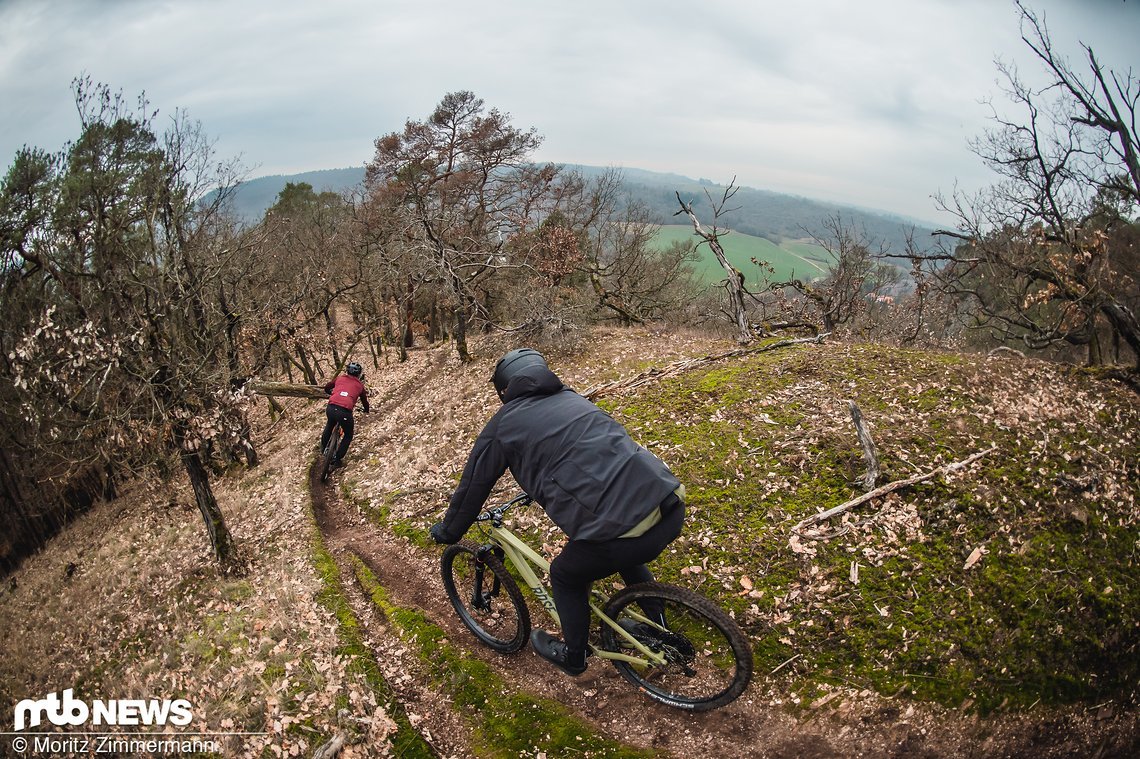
[(1049, 614), (506, 721), (406, 741)]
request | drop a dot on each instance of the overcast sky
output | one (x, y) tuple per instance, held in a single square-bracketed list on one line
[(869, 103)]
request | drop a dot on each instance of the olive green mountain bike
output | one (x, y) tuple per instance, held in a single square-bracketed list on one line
[(699, 659)]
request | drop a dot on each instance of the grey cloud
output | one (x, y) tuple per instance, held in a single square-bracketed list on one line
[(870, 100)]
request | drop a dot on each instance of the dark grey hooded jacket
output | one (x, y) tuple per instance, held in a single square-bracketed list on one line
[(575, 460)]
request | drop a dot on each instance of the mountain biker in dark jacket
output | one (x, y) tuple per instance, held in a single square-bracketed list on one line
[(617, 502), (343, 394)]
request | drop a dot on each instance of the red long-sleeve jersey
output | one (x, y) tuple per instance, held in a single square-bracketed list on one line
[(344, 390)]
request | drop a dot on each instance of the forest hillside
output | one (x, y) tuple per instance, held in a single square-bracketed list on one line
[(992, 609), (774, 216)]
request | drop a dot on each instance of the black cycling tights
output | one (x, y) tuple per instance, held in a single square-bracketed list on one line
[(342, 416), (582, 561)]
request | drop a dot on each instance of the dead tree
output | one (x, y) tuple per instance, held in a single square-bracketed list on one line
[(734, 281)]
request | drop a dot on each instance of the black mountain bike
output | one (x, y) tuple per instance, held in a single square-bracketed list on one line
[(328, 455)]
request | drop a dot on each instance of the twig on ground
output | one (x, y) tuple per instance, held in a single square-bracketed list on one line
[(786, 663), (330, 749), (1005, 349), (890, 487)]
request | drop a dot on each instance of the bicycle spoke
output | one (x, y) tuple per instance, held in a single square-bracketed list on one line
[(707, 660)]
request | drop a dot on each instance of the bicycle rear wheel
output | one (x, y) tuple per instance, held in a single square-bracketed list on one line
[(485, 596), (708, 661), (328, 455)]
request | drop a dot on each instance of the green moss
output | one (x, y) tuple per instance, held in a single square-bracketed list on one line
[(765, 440), (407, 742), (381, 516), (238, 590), (218, 636), (506, 723)]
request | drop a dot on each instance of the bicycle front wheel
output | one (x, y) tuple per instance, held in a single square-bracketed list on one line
[(708, 661), (485, 596)]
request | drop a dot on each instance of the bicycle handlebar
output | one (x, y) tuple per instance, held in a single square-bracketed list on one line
[(495, 513)]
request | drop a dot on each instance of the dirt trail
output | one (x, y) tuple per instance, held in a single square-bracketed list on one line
[(601, 697)]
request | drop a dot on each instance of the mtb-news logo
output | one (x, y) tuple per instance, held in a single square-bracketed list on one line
[(72, 712)]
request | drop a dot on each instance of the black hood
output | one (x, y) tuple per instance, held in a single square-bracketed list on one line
[(532, 380)]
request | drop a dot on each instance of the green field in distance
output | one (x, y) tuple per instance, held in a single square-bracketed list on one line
[(803, 259)]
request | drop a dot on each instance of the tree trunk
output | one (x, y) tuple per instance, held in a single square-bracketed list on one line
[(306, 368), (461, 334), (287, 389), (1126, 326), (220, 539), (735, 280), (409, 311), (735, 284), (1094, 355), (233, 329)]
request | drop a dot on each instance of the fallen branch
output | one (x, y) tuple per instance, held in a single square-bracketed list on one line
[(786, 663), (679, 367), (889, 488), (1005, 349), (330, 749), (868, 444), (287, 389)]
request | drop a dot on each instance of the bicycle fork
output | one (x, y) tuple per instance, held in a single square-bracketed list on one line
[(481, 599)]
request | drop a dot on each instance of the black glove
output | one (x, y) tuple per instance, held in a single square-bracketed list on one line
[(439, 534)]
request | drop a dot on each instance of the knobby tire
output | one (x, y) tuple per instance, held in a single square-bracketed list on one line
[(709, 659), (329, 453), (494, 610)]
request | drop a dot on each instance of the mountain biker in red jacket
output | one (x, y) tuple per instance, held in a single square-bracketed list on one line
[(343, 394)]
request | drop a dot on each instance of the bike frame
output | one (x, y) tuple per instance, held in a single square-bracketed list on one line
[(525, 560)]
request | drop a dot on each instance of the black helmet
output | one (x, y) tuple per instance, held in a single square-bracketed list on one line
[(353, 369), (512, 363)]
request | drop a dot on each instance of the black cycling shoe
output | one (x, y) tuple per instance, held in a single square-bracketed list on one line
[(556, 652)]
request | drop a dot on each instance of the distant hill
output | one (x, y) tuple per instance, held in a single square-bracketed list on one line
[(255, 196), (776, 217)]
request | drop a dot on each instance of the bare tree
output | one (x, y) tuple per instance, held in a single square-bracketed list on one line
[(854, 278), (734, 280), (121, 352), (465, 176), (310, 267), (1041, 256)]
